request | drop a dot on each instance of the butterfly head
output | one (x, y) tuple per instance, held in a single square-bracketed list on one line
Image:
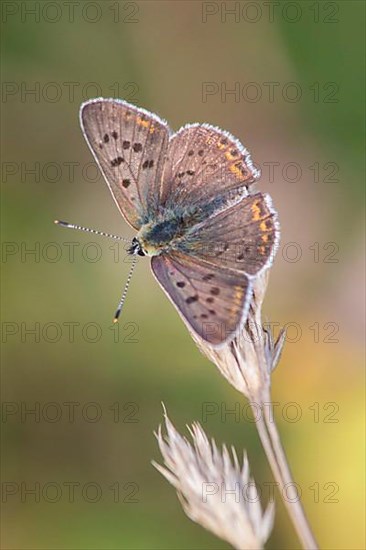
[(135, 248)]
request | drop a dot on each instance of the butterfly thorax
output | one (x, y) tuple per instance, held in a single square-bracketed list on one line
[(167, 230)]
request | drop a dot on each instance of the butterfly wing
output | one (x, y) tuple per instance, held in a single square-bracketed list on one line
[(205, 162), (212, 302), (130, 146), (243, 237)]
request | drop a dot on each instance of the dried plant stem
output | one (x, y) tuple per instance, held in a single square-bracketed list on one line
[(276, 456), (272, 446)]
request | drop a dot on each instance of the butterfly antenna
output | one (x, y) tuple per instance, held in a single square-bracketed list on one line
[(124, 293), (94, 231)]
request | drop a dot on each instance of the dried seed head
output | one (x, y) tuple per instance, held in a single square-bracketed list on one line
[(213, 489)]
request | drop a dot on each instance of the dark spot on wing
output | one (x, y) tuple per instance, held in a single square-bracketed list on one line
[(204, 316), (234, 153), (208, 277), (126, 182), (215, 291), (181, 174), (190, 172), (192, 299), (114, 134), (190, 153), (106, 138), (125, 144), (212, 311), (210, 300), (201, 152), (117, 161), (181, 284), (137, 147)]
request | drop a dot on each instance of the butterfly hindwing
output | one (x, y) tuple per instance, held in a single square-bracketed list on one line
[(213, 302), (203, 163), (130, 146), (242, 237)]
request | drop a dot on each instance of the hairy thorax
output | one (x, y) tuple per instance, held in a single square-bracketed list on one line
[(170, 227), (167, 231)]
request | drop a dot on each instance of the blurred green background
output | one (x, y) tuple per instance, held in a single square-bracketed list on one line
[(296, 70)]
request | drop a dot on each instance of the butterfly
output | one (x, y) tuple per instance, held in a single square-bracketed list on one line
[(187, 195)]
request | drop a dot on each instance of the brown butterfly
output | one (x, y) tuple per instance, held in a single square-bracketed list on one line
[(188, 196)]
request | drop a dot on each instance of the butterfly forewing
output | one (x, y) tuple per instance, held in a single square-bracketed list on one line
[(213, 302), (204, 163), (243, 237), (130, 146)]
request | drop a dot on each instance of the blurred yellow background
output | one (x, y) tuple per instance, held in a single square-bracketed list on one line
[(286, 79)]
